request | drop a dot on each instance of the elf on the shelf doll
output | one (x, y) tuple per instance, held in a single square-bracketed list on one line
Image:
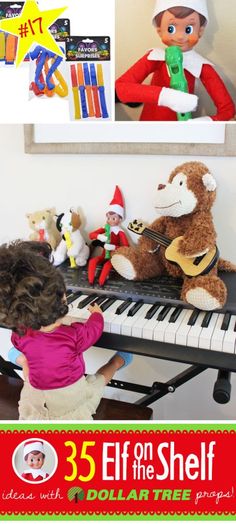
[(34, 456), (112, 235), (178, 23)]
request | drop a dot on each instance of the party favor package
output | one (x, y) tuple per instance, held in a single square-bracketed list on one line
[(8, 42), (60, 29), (47, 70), (89, 77)]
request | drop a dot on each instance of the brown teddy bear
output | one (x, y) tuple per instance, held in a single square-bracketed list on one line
[(184, 204), (44, 227)]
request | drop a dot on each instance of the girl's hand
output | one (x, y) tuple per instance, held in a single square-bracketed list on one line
[(94, 308)]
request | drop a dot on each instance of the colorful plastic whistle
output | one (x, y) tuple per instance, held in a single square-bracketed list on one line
[(101, 89), (82, 91), (95, 91), (2, 46), (174, 61), (88, 89), (74, 82), (11, 47), (68, 245), (42, 57)]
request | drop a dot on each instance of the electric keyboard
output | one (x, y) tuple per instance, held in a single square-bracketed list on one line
[(148, 318)]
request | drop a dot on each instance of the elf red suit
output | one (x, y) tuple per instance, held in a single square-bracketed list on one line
[(113, 237), (160, 101), (35, 476)]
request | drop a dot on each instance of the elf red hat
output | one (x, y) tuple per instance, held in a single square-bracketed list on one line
[(117, 203), (33, 445)]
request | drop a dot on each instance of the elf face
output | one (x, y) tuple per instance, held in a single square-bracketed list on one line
[(113, 219), (35, 461), (181, 32)]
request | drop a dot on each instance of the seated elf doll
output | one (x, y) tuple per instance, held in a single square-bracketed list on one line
[(182, 24)]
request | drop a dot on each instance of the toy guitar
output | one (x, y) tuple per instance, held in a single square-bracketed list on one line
[(191, 267)]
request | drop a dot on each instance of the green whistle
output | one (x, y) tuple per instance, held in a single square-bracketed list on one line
[(174, 61), (108, 235)]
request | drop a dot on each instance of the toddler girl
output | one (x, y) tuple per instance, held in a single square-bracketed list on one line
[(33, 304)]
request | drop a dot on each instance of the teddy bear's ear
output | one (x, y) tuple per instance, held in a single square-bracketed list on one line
[(74, 210), (209, 182), (75, 220), (51, 211)]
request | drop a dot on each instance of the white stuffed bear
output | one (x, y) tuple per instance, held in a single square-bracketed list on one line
[(72, 244)]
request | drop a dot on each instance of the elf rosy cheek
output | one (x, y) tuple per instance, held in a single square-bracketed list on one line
[(166, 38), (193, 40)]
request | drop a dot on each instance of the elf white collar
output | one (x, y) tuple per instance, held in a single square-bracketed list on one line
[(115, 229), (193, 62), (36, 473)]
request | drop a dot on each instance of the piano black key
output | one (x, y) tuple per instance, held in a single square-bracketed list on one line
[(226, 321), (175, 315), (135, 308), (206, 321), (163, 313), (100, 300), (108, 303), (151, 312), (72, 295), (193, 317), (123, 306), (86, 301)]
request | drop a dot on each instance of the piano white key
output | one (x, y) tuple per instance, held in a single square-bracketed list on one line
[(229, 341), (195, 331), (170, 333), (218, 335), (126, 328), (207, 332), (162, 325), (183, 330), (74, 311), (117, 321), (137, 328), (149, 327), (109, 315)]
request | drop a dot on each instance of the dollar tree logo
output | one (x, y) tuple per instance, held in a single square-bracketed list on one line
[(75, 494)]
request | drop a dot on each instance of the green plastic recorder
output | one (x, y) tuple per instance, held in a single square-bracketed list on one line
[(174, 61), (108, 234)]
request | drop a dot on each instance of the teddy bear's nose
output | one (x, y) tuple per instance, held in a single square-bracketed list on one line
[(161, 186)]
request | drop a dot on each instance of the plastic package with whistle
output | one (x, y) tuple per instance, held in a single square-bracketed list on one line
[(47, 73), (8, 42), (88, 72)]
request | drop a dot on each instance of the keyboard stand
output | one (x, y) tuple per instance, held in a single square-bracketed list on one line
[(158, 390), (7, 368)]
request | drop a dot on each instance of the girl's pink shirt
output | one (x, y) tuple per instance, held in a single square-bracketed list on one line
[(56, 358)]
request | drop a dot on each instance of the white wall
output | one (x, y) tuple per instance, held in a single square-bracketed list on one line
[(135, 35), (32, 182)]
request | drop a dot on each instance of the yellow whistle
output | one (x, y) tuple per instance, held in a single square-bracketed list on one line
[(68, 245)]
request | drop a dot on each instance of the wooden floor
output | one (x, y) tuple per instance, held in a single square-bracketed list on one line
[(108, 409)]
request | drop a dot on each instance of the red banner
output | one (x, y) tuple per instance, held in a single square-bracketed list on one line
[(121, 470)]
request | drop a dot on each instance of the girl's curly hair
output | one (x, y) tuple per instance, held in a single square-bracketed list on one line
[(32, 290)]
